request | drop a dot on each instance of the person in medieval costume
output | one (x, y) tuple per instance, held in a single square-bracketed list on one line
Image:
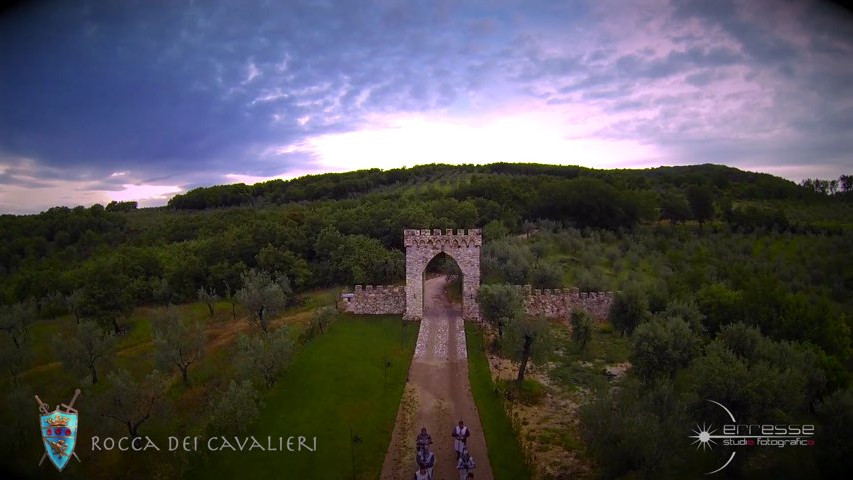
[(423, 474), (465, 464), (426, 459), (423, 439), (460, 438)]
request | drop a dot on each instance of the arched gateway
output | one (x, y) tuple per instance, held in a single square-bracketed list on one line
[(462, 246)]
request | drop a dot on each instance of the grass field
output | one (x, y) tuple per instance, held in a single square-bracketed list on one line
[(333, 388), (504, 451)]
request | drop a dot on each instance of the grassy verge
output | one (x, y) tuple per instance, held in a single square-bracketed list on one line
[(505, 454), (335, 386), (576, 368)]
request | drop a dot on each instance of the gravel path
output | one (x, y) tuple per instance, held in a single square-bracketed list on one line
[(440, 394)]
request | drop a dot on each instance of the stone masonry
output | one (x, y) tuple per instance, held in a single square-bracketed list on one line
[(462, 246), (378, 300), (559, 302)]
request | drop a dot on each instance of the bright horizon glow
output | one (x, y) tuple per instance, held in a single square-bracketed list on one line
[(406, 141), (143, 192)]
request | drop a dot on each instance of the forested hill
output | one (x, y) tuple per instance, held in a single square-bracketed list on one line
[(338, 229), (504, 176)]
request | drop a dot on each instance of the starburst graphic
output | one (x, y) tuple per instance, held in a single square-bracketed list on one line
[(703, 436)]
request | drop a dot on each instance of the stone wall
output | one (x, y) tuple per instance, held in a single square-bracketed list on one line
[(551, 303), (378, 300), (559, 302)]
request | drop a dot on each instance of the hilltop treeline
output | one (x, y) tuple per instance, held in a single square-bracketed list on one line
[(346, 228), (337, 186)]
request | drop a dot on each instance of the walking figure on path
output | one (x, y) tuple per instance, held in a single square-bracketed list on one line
[(426, 459), (423, 474), (423, 439), (464, 465), (460, 435)]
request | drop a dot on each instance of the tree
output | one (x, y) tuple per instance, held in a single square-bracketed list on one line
[(161, 291), (630, 429), (688, 311), (495, 230), (52, 305), (846, 183), (73, 302), (131, 402), (500, 305), (546, 275), (835, 414), (263, 295), (274, 259), (628, 310), (581, 327), (323, 318), (15, 323), (701, 200), (208, 297), (88, 350), (106, 297), (777, 377), (236, 407), (720, 305), (226, 277), (674, 207), (661, 346), (264, 355), (178, 342), (527, 338)]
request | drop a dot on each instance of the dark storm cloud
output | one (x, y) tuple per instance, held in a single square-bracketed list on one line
[(127, 86)]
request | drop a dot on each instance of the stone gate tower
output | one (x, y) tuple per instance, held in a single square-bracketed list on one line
[(463, 247)]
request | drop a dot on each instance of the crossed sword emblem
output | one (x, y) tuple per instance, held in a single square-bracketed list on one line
[(69, 408)]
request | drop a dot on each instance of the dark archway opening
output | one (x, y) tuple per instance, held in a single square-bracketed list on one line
[(443, 265)]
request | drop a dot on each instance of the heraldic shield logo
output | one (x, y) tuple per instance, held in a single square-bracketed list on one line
[(59, 432)]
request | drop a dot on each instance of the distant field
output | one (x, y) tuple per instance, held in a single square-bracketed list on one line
[(334, 387)]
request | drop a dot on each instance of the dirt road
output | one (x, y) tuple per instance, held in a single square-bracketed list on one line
[(438, 394)]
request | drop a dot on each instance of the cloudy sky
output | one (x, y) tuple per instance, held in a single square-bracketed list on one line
[(120, 100)]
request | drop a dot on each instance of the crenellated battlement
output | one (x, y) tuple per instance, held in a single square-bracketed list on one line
[(559, 302), (379, 289), (460, 238), (573, 292)]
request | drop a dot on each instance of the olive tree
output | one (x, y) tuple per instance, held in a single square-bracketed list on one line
[(322, 319), (629, 309), (263, 295), (500, 305), (132, 402), (236, 408), (15, 323), (178, 342), (264, 355), (88, 350), (582, 324), (527, 338), (661, 346), (208, 297)]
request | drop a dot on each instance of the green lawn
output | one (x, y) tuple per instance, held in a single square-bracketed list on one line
[(504, 451), (334, 386)]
